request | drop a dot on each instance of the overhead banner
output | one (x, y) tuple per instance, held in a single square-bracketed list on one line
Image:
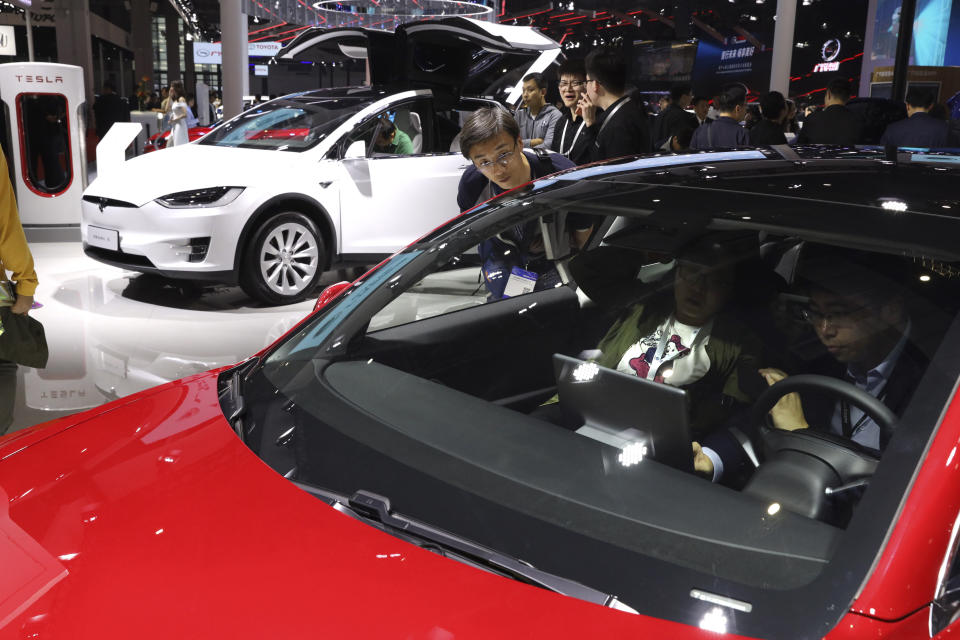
[(212, 52)]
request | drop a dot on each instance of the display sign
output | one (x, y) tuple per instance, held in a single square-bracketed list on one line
[(212, 52), (830, 37), (829, 53), (261, 70), (735, 59), (8, 44)]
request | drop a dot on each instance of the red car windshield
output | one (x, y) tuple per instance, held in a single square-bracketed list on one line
[(542, 396)]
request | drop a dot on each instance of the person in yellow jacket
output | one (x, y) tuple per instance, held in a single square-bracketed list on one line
[(15, 260)]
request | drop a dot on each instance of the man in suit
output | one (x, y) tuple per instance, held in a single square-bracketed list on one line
[(858, 310), (675, 117), (920, 129), (724, 132), (701, 109), (769, 130), (622, 129), (835, 123)]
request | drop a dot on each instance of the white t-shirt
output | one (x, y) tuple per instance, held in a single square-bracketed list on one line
[(684, 358)]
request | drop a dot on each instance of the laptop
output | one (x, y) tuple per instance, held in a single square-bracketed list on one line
[(620, 409)]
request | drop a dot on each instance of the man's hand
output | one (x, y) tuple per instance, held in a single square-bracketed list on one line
[(787, 414), (702, 463), (536, 142), (587, 110), (22, 305)]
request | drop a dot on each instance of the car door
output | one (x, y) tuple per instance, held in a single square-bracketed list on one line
[(387, 200)]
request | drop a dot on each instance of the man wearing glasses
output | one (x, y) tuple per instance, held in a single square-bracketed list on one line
[(571, 137), (490, 139), (858, 311)]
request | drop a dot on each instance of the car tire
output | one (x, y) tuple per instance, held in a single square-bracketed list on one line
[(284, 259)]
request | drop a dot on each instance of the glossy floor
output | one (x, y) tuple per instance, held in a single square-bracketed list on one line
[(113, 332)]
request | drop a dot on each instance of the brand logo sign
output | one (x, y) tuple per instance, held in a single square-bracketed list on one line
[(212, 52), (828, 53), (38, 79), (830, 50), (8, 44)]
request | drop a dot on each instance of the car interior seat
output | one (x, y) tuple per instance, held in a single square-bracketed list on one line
[(417, 130)]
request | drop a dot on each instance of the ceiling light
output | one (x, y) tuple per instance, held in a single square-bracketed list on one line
[(894, 205)]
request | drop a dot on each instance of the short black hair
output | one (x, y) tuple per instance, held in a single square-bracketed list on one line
[(698, 99), (772, 104), (678, 91), (849, 272), (486, 123), (572, 68), (536, 77), (920, 97), (840, 88), (608, 67), (684, 135), (732, 96)]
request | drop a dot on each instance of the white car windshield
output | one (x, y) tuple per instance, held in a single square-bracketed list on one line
[(288, 124)]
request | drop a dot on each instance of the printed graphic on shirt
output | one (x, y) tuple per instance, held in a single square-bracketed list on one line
[(640, 356)]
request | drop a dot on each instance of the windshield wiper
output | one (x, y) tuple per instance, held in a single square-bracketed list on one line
[(375, 509)]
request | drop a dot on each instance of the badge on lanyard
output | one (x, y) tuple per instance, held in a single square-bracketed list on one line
[(520, 282)]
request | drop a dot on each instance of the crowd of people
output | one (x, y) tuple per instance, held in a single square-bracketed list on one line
[(178, 107), (599, 117)]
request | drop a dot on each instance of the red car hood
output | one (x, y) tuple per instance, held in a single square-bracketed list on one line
[(148, 518)]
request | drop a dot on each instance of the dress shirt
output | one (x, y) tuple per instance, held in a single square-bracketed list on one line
[(865, 431)]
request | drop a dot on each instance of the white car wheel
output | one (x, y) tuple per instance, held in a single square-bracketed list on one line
[(284, 260)]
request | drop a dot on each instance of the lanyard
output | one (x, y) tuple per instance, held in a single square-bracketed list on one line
[(563, 137), (609, 117), (665, 336), (850, 429)]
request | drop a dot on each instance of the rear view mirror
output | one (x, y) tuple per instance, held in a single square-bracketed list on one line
[(357, 149), (329, 294)]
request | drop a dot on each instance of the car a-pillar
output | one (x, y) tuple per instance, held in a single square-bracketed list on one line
[(284, 250)]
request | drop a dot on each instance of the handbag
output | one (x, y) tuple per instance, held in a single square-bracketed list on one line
[(23, 340)]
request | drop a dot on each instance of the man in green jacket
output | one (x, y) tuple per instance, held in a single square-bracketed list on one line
[(683, 336), (392, 140)]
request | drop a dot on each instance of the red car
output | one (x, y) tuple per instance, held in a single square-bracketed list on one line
[(396, 467), (159, 140)]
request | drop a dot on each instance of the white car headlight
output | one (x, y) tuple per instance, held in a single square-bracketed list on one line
[(200, 198)]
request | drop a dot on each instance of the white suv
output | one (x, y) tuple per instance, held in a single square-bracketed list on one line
[(286, 190)]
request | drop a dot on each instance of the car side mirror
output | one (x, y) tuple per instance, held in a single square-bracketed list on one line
[(357, 149), (329, 294)]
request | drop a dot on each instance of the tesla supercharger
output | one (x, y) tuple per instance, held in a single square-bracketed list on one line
[(43, 135)]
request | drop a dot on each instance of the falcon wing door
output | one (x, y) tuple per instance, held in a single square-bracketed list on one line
[(457, 57), (346, 43)]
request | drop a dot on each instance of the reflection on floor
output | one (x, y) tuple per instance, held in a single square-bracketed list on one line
[(113, 332)]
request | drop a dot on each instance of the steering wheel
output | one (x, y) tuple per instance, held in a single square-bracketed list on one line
[(805, 466)]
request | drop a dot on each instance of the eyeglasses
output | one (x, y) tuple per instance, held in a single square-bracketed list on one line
[(841, 319), (503, 160), (575, 84)]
